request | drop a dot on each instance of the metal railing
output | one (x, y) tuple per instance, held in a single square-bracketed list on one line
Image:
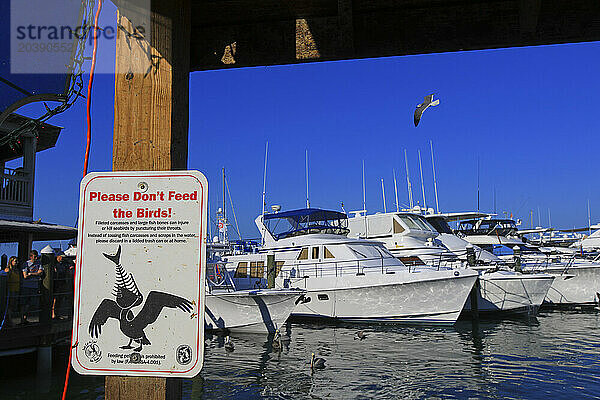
[(356, 267), (14, 186), (52, 295)]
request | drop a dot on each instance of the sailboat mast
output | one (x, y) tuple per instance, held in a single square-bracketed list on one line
[(589, 218), (265, 180), (383, 196), (410, 196), (477, 183), (223, 195), (364, 197), (364, 188), (306, 164), (437, 204), (264, 199), (396, 189), (422, 185)]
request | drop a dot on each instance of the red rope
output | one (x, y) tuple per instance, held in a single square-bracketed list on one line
[(85, 162), (89, 91)]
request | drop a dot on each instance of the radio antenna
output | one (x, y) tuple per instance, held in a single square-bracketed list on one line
[(396, 190), (422, 185), (307, 200), (410, 196), (437, 204), (383, 196)]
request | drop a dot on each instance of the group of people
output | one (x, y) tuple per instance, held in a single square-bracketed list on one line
[(31, 282)]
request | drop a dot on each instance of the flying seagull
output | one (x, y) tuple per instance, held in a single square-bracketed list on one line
[(423, 106)]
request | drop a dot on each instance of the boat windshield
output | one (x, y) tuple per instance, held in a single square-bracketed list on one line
[(440, 224), (306, 221), (502, 227), (415, 222)]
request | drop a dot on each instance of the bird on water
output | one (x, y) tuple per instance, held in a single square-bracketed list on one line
[(229, 346), (424, 106), (360, 335), (316, 362), (277, 344)]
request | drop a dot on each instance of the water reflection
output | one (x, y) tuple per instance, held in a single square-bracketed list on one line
[(554, 356)]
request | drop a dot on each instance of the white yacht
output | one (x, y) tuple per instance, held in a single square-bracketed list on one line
[(347, 279), (576, 281), (419, 241), (591, 242), (249, 311)]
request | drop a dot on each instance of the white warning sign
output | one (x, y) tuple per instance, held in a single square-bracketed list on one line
[(139, 291)]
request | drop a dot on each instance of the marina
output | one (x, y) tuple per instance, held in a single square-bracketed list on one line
[(356, 262)]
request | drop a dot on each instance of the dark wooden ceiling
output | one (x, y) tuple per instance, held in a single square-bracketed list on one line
[(242, 33)]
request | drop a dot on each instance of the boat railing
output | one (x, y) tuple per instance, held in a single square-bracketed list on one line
[(357, 267), (445, 260), (568, 265)]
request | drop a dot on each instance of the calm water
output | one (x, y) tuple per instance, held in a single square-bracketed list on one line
[(554, 356)]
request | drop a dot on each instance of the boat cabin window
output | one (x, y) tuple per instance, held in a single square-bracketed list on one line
[(303, 254), (257, 269), (315, 253), (379, 225), (366, 251), (278, 265), (241, 271), (398, 228), (328, 253)]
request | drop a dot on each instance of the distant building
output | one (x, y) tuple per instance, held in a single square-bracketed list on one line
[(17, 184)]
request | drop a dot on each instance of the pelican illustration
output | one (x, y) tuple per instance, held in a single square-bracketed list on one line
[(129, 296)]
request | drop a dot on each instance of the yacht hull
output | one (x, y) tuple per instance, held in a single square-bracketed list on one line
[(432, 297), (579, 285), (250, 311), (510, 292)]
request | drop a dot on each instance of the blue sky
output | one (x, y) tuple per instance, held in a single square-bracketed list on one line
[(529, 115)]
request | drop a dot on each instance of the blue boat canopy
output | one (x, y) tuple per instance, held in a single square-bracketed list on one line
[(306, 221), (312, 214)]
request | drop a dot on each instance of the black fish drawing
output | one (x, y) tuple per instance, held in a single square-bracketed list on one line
[(128, 296)]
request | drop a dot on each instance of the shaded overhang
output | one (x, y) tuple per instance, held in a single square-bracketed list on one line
[(10, 231), (11, 148), (242, 33)]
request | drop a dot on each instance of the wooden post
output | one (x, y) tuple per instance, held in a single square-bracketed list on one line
[(151, 128), (29, 152), (24, 247)]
